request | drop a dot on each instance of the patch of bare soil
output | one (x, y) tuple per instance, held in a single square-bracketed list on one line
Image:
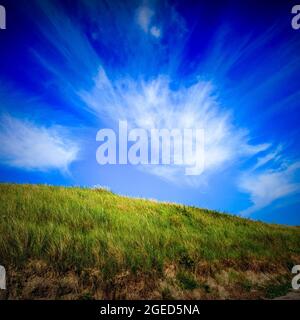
[(39, 281)]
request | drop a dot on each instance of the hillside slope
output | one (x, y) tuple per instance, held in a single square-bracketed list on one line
[(75, 243)]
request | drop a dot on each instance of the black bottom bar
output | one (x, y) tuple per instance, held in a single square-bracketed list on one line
[(145, 309)]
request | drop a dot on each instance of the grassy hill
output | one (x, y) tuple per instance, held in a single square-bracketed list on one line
[(75, 243)]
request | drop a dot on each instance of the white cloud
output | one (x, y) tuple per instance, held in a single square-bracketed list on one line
[(27, 146), (144, 16), (269, 185), (154, 104), (155, 31), (144, 19), (272, 156)]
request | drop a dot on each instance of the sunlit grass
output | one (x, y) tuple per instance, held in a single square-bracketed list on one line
[(77, 229)]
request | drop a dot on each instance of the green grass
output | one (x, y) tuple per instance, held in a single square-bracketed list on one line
[(77, 228), (280, 286), (186, 281)]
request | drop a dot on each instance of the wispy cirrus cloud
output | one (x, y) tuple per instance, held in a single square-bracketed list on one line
[(273, 177), (269, 157), (146, 103), (144, 16), (28, 146), (154, 104)]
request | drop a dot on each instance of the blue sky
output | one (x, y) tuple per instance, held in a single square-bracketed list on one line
[(70, 68)]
